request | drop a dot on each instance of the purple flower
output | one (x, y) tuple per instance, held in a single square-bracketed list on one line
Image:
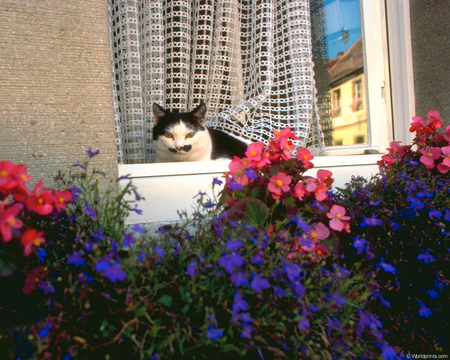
[(89, 211), (426, 257), (292, 271), (371, 221), (209, 205), (252, 175), (303, 324), (257, 259), (46, 329), (386, 267), (79, 165), (389, 353), (233, 185), (334, 324), (159, 251), (76, 193), (41, 253), (359, 244), (137, 228), (77, 258), (447, 215), (383, 301), (298, 289), (435, 214), (234, 245), (99, 235), (340, 301), (124, 177), (214, 333), (103, 264), (239, 279), (229, 262), (247, 331), (136, 210), (302, 224), (114, 273), (217, 182), (259, 283), (192, 269), (90, 153), (46, 286), (239, 304), (416, 204), (277, 291), (128, 240)]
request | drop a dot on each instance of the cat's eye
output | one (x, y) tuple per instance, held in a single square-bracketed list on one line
[(168, 135), (190, 135)]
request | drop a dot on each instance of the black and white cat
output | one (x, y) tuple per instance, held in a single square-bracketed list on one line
[(184, 137)]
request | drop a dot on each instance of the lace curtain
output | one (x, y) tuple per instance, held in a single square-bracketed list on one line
[(249, 61)]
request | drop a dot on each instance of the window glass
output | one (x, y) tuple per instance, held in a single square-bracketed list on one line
[(339, 71)]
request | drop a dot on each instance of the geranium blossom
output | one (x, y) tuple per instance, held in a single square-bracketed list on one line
[(337, 215), (278, 184)]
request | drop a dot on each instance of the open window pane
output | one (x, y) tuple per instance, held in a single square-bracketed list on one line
[(339, 71)]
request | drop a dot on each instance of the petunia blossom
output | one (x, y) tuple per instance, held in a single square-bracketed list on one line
[(337, 215)]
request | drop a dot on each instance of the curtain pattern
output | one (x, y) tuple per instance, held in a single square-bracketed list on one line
[(249, 61)]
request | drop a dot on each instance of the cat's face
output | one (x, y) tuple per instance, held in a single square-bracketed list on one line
[(180, 136)]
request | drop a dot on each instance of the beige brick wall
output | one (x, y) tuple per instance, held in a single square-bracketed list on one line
[(430, 37), (55, 85)]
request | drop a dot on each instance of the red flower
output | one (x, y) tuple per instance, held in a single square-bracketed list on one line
[(12, 179), (8, 220), (32, 278), (61, 199), (29, 238), (304, 155), (278, 183), (300, 190), (41, 201)]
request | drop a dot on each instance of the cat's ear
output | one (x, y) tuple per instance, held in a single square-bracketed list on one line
[(158, 112), (199, 113)]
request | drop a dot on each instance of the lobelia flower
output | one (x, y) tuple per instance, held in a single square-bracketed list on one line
[(89, 211), (214, 333), (246, 332), (259, 283), (114, 273), (91, 153), (426, 257), (386, 267), (77, 259), (192, 268), (337, 214), (239, 279), (230, 261), (424, 311), (303, 324), (8, 220), (278, 184), (371, 221), (239, 304), (31, 238)]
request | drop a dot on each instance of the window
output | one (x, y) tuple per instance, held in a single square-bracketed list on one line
[(383, 84)]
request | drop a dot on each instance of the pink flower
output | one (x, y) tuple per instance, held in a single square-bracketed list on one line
[(337, 215), (446, 155), (429, 156), (300, 190), (320, 192), (433, 120), (61, 199), (40, 201), (278, 183), (417, 124), (237, 171), (304, 155), (254, 151), (8, 220), (447, 133), (319, 231), (325, 177), (321, 250)]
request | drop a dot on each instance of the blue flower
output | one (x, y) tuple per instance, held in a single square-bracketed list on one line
[(46, 286), (159, 251), (389, 353), (435, 214), (138, 229), (41, 253), (426, 257), (103, 264), (303, 324), (292, 271), (77, 259), (259, 283), (90, 153), (46, 329), (298, 289), (383, 301), (424, 311), (115, 273), (192, 268), (76, 193), (99, 235), (386, 267), (209, 204), (229, 262), (257, 259), (233, 185), (252, 175), (79, 165), (128, 240), (416, 204), (214, 333), (136, 210), (302, 224), (340, 301), (217, 182), (247, 331), (359, 244), (89, 211), (239, 304), (334, 324), (234, 245), (433, 294), (371, 221), (239, 279), (277, 291)]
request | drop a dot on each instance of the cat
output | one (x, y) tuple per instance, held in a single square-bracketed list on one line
[(185, 137)]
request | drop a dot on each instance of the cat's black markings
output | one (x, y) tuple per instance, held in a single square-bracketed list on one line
[(184, 137)]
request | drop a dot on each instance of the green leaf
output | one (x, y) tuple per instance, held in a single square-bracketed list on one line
[(140, 311), (165, 300), (249, 210)]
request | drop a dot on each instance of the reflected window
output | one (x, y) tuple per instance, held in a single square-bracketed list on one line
[(339, 71)]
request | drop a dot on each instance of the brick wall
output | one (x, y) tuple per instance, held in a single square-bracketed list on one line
[(55, 85), (430, 37)]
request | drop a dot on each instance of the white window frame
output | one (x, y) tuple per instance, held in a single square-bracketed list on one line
[(169, 187)]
